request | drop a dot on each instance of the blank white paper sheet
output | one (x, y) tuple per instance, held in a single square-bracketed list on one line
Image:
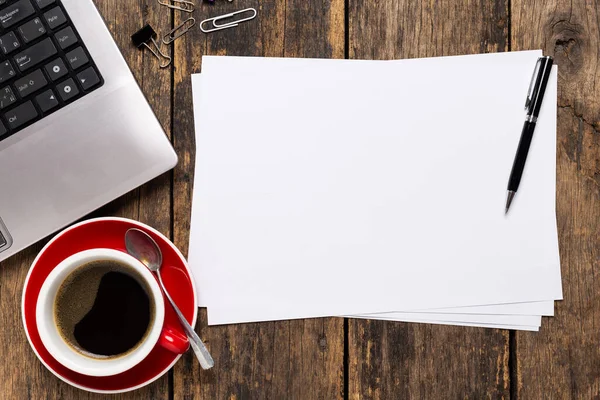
[(336, 187)]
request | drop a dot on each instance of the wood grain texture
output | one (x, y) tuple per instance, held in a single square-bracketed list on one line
[(563, 360), (282, 360), (389, 360), (398, 29), (21, 374)]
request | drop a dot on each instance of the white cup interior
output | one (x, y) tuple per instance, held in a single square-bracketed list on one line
[(67, 355)]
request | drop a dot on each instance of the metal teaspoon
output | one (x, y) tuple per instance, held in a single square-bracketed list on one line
[(141, 246)]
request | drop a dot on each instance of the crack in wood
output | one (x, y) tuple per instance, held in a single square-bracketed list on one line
[(580, 116), (586, 158), (579, 144)]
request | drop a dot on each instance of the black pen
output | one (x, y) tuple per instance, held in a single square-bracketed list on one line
[(533, 104)]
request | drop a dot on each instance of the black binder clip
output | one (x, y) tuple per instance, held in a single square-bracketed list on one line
[(146, 37)]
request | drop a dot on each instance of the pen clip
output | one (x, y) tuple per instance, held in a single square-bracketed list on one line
[(531, 89)]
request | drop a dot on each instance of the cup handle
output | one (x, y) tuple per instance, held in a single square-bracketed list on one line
[(173, 340)]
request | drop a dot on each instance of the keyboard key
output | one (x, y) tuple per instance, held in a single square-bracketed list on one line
[(55, 18), (6, 71), (88, 78), (47, 101), (56, 69), (9, 43), (3, 132), (32, 30), (30, 83), (16, 13), (77, 58), (44, 3), (7, 97), (21, 115), (66, 38), (67, 89), (37, 53)]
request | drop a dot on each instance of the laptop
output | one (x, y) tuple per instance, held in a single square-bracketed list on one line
[(75, 129)]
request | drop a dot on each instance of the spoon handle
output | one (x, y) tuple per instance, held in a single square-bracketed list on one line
[(204, 357)]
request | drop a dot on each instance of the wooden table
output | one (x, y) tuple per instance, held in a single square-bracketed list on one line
[(340, 358)]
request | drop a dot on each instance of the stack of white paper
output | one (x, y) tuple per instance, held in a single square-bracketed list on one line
[(373, 189)]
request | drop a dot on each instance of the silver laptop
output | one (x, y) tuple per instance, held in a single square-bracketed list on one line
[(75, 129)]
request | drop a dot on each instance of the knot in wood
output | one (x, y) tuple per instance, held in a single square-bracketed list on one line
[(568, 43), (323, 343)]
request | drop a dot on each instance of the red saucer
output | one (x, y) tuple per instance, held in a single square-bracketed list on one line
[(110, 233)]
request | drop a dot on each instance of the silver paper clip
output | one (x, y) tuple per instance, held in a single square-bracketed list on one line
[(181, 5), (179, 31), (217, 26)]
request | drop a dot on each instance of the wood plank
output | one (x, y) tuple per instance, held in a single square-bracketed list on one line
[(282, 360), (21, 374), (563, 360), (390, 360)]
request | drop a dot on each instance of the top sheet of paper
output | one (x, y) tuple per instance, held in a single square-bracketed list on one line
[(332, 187)]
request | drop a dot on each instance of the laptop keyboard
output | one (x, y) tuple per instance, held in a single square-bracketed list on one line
[(44, 65)]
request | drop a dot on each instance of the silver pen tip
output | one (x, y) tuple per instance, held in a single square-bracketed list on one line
[(510, 195)]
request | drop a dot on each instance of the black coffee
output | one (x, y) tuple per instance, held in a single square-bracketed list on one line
[(102, 310)]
